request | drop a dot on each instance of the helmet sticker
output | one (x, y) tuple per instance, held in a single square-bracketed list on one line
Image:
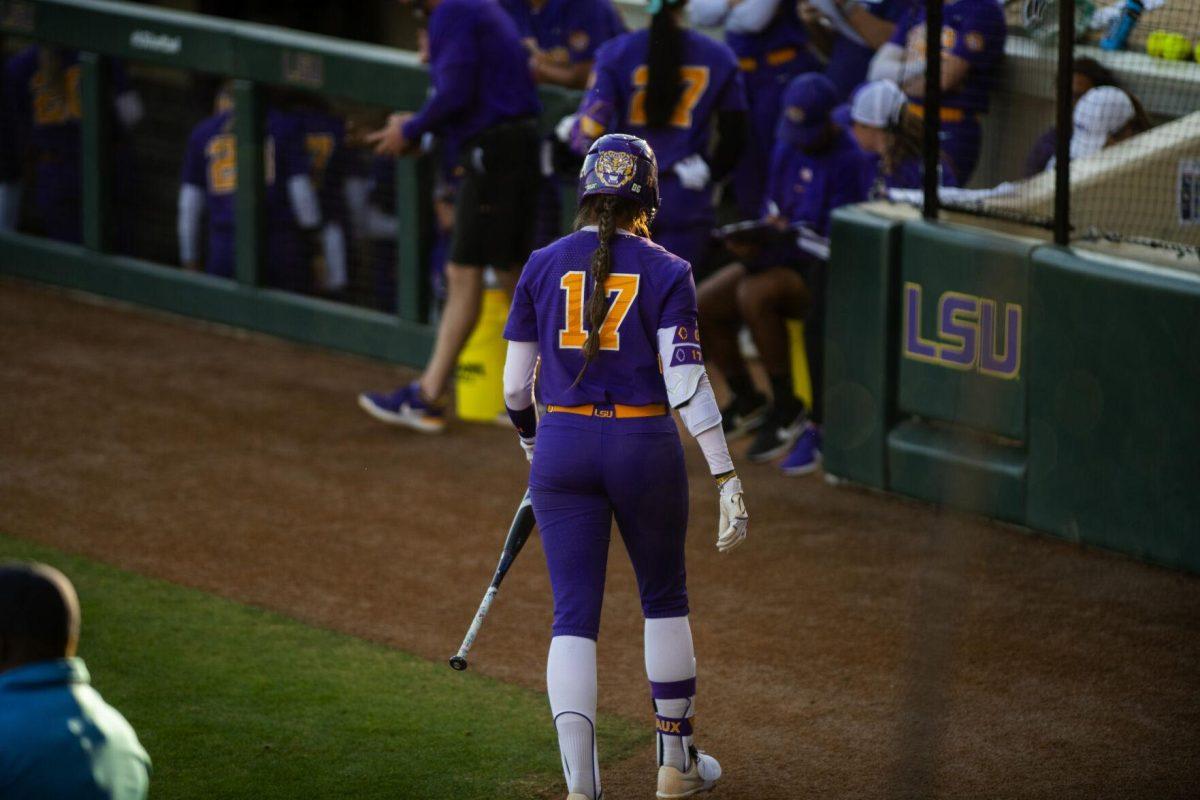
[(614, 168)]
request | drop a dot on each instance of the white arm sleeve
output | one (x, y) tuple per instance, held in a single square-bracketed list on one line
[(10, 205), (887, 63), (191, 208), (751, 16), (518, 374), (707, 13), (333, 246), (716, 451), (306, 208)]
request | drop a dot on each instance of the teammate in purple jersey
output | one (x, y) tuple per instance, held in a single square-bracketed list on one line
[(483, 111), (772, 45), (866, 26), (331, 169), (209, 184), (815, 168), (562, 36), (973, 35), (670, 94), (41, 114), (613, 362)]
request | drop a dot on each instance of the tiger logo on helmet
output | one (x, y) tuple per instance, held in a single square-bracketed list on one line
[(621, 165)]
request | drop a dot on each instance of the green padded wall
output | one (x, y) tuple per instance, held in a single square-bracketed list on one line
[(961, 322), (949, 465), (1114, 444), (859, 352)]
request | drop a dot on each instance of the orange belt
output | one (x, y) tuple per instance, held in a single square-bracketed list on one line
[(946, 115), (611, 410), (774, 58)]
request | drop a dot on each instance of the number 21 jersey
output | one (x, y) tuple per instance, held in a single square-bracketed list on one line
[(648, 289)]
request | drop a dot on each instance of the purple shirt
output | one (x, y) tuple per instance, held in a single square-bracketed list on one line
[(615, 104), (210, 162), (480, 73), (849, 60), (649, 289), (329, 161), (570, 31), (973, 30), (806, 188)]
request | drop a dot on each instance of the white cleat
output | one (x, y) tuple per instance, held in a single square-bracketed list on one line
[(700, 777)]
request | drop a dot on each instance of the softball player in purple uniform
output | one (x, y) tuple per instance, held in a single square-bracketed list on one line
[(209, 184), (42, 109), (562, 36), (973, 34), (613, 362), (669, 95), (816, 167), (772, 47)]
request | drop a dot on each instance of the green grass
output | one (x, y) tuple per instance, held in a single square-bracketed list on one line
[(233, 701)]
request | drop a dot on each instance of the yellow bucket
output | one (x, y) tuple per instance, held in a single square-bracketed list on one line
[(801, 380), (479, 378)]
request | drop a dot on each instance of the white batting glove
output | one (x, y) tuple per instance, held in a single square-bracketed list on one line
[(734, 520), (527, 446), (693, 172)]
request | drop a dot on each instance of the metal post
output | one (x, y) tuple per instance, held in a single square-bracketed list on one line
[(1063, 122), (248, 128), (96, 156), (409, 274), (933, 104)]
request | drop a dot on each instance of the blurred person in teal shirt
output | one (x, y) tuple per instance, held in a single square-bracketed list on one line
[(58, 738)]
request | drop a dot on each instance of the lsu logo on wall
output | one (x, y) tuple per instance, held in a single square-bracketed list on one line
[(973, 333)]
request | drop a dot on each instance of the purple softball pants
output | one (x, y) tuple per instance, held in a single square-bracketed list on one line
[(588, 470)]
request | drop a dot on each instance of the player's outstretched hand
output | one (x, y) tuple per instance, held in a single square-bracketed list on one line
[(734, 519), (389, 140), (527, 446)]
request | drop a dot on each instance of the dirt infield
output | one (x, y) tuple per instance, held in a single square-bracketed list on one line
[(859, 646)]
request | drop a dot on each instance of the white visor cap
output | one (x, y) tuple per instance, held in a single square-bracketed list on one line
[(1100, 113), (878, 104)]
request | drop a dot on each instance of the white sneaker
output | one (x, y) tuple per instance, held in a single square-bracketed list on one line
[(700, 777)]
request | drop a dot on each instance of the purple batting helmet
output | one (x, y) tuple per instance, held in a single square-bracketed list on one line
[(621, 165)]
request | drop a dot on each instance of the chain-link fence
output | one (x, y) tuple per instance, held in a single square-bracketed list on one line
[(1094, 135), (327, 204)]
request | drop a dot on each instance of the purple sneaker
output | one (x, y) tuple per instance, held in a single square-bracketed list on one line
[(805, 457), (404, 407)]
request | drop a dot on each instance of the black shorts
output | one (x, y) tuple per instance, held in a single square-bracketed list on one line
[(494, 215)]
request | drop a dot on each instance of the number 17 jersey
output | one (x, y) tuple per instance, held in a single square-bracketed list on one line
[(648, 288)]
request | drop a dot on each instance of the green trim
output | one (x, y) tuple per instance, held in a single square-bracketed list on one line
[(303, 319), (248, 128), (95, 127)]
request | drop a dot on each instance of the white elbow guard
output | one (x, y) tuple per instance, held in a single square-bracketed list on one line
[(686, 380)]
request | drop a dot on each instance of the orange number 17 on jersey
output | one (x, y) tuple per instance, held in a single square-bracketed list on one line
[(624, 285)]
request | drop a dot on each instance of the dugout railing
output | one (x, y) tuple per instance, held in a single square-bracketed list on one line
[(254, 56)]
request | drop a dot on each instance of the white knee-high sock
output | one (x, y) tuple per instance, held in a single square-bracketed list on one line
[(671, 668), (571, 684)]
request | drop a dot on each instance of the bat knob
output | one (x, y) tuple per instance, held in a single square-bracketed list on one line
[(459, 663)]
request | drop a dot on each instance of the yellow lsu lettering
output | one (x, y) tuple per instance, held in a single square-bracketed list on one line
[(669, 726), (695, 81), (55, 103), (623, 285)]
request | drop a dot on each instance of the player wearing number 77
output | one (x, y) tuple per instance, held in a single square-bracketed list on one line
[(614, 360)]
